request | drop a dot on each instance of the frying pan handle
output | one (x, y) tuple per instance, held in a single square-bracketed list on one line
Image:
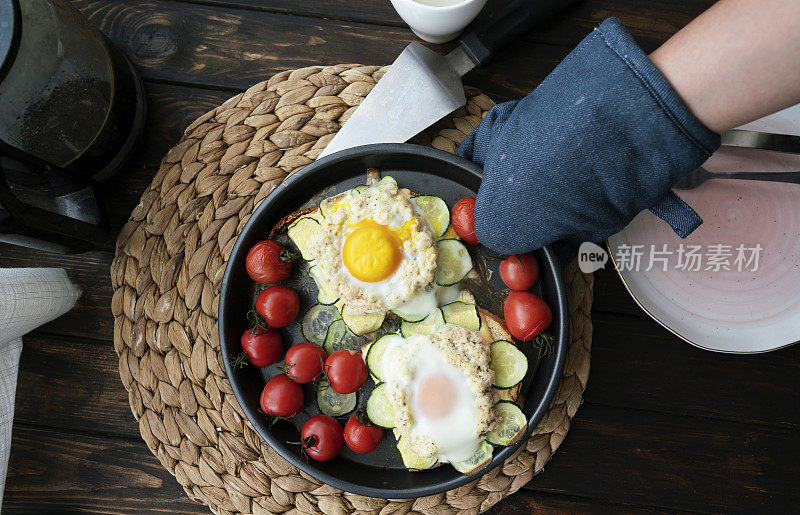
[(501, 22)]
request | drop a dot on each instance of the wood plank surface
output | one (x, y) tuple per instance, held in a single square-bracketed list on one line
[(56, 471)]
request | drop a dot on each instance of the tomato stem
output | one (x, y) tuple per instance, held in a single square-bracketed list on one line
[(362, 417), (256, 321), (545, 343), (287, 256), (240, 360), (520, 262)]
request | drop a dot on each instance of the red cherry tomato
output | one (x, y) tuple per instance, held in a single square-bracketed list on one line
[(304, 362), (282, 397), (322, 437), (346, 370), (262, 346), (361, 435), (526, 315), (278, 305), (463, 219), (268, 262), (519, 271)]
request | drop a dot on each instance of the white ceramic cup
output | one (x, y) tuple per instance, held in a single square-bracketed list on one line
[(438, 21)]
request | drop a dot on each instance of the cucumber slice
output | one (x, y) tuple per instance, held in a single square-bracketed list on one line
[(409, 317), (334, 337), (435, 211), (331, 204), (454, 262), (376, 351), (379, 409), (511, 426), (418, 307), (363, 324), (430, 325), (300, 231), (413, 461), (477, 461), (316, 321), (509, 364), (358, 190), (325, 295), (335, 404), (463, 314)]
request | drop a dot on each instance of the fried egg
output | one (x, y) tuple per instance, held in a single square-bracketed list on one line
[(374, 249), (438, 405)]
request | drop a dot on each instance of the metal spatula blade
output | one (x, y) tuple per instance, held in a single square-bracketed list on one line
[(420, 88)]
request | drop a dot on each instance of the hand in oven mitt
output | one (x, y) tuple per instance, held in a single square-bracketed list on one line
[(602, 138)]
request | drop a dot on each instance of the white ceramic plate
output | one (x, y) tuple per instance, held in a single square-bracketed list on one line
[(744, 309)]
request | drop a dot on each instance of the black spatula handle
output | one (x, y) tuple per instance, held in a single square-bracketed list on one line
[(503, 21)]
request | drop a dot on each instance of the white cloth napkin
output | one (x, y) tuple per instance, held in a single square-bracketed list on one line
[(29, 297)]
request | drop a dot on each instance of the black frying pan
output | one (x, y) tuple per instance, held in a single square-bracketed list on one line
[(425, 171)]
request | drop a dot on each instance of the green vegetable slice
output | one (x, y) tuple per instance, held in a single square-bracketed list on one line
[(300, 231), (316, 321), (335, 404), (325, 295), (334, 337), (477, 461), (454, 262), (509, 364), (331, 204), (379, 409), (435, 212), (463, 314), (430, 325), (376, 351), (511, 425), (358, 190), (362, 324), (413, 461)]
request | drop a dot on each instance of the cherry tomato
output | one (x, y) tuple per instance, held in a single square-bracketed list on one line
[(526, 315), (304, 362), (463, 219), (361, 435), (278, 305), (282, 397), (268, 262), (262, 346), (346, 370), (519, 271), (322, 437)]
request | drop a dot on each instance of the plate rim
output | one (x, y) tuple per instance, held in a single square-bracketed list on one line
[(666, 326), (553, 381)]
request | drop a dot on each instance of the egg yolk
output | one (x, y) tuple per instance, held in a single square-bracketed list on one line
[(435, 396), (372, 251)]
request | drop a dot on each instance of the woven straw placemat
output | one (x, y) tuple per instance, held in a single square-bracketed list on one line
[(167, 274)]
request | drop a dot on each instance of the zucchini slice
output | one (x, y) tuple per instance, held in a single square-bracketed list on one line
[(331, 204), (419, 306), (473, 464), (379, 409), (411, 460), (335, 404), (511, 426), (316, 321), (362, 324), (334, 336), (435, 211), (376, 351), (509, 364), (300, 231), (463, 314), (358, 190), (454, 262), (325, 295), (430, 325)]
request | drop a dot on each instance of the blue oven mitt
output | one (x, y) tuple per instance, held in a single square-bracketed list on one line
[(602, 138)]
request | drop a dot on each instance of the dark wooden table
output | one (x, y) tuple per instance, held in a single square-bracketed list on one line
[(664, 426)]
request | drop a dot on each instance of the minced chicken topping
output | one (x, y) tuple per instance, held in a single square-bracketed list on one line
[(387, 205)]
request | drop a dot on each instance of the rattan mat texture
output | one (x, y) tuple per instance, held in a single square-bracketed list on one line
[(167, 272)]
